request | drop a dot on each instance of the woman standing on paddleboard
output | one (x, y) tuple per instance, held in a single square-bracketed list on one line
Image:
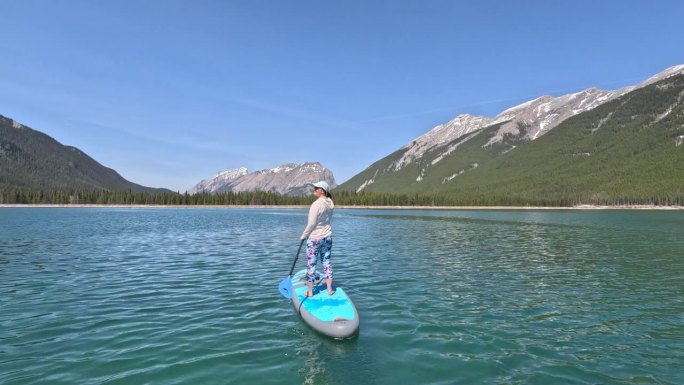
[(319, 233)]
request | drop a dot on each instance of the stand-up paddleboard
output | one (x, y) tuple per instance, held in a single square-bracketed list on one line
[(333, 315)]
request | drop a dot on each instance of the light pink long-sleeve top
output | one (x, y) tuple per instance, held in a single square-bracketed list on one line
[(320, 216)]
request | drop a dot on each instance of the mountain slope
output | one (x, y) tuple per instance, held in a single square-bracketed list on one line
[(525, 122), (629, 149), (517, 156), (32, 160)]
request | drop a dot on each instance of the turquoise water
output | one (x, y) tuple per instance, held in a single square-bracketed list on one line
[(190, 296)]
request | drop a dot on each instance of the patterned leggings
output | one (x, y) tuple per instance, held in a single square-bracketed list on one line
[(315, 249)]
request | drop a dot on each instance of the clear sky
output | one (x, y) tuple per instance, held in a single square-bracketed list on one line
[(171, 92)]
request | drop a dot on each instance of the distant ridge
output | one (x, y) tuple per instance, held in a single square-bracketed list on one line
[(288, 179), (30, 159)]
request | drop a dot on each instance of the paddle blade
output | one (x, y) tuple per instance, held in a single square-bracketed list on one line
[(285, 287)]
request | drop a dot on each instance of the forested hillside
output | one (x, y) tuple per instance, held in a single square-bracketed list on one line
[(627, 151), (623, 152), (29, 159)]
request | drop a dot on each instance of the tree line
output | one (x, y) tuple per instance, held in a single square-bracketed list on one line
[(344, 198)]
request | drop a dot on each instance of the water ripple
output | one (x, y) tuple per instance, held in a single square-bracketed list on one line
[(174, 296)]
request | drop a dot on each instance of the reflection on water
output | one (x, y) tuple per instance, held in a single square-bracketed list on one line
[(329, 361), (313, 367)]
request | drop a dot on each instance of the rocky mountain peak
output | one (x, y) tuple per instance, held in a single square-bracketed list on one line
[(444, 133), (287, 179), (535, 117), (213, 184), (540, 115), (232, 174)]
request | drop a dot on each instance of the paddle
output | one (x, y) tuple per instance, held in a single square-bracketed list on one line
[(285, 286)]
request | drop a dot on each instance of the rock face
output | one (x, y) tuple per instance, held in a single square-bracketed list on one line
[(288, 179)]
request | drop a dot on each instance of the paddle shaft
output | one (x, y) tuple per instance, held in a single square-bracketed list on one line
[(296, 257)]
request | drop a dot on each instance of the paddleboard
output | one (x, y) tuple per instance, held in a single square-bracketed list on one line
[(333, 315)]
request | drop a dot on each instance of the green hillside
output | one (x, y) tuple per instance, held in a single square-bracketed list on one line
[(32, 160), (626, 151), (621, 151)]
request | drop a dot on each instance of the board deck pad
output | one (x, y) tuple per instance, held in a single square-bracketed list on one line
[(326, 307), (334, 315)]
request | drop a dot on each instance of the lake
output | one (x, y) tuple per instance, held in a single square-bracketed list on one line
[(190, 296)]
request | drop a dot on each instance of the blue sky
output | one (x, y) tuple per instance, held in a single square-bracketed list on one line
[(169, 92)]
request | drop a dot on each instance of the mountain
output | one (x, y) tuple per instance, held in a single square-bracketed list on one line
[(223, 178), (33, 160), (288, 179), (526, 148)]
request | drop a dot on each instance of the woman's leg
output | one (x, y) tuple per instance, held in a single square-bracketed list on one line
[(315, 249), (311, 259), (325, 251)]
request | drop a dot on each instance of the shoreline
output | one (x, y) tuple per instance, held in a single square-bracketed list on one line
[(345, 207)]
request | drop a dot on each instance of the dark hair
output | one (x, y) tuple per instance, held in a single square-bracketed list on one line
[(327, 194)]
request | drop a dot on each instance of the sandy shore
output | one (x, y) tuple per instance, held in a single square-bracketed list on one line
[(580, 207)]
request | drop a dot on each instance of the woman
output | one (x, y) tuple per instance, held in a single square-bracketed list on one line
[(319, 233)]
